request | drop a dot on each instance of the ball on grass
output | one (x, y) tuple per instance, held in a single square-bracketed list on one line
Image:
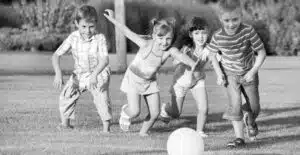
[(185, 141)]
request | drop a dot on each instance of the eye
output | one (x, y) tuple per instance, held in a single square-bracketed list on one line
[(235, 19)]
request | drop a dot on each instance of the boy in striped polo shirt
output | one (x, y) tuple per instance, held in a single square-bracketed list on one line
[(237, 42), (91, 71)]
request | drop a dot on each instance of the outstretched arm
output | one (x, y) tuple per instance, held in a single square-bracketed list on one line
[(137, 39), (174, 52)]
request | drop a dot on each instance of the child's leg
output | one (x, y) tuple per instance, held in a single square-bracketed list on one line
[(200, 95), (67, 102), (130, 110), (178, 94), (174, 109), (153, 102), (234, 112), (251, 93), (103, 105)]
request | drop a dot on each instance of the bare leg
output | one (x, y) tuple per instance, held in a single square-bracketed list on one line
[(174, 109), (153, 102), (200, 96)]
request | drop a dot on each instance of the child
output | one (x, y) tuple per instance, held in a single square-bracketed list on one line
[(91, 72), (186, 79), (238, 43), (140, 77)]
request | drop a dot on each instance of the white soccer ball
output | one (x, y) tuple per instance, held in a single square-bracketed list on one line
[(185, 141)]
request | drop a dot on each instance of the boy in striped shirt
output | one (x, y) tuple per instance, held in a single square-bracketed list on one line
[(91, 71), (237, 42)]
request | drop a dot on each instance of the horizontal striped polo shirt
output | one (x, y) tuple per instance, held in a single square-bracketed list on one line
[(237, 50)]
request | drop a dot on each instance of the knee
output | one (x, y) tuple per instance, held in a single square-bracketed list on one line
[(203, 110), (134, 112)]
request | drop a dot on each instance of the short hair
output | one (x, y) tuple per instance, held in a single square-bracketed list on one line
[(86, 12), (198, 23), (228, 5)]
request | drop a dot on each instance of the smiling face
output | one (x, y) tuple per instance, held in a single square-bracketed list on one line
[(199, 37), (163, 42), (86, 28), (231, 21)]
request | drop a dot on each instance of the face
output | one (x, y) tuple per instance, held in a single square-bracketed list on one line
[(199, 37), (231, 21), (163, 42), (86, 28)]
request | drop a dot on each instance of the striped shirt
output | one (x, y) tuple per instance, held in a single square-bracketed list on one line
[(86, 53), (237, 50)]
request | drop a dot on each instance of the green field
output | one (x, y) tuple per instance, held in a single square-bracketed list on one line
[(29, 116)]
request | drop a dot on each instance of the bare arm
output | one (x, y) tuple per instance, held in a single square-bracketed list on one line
[(174, 52), (259, 60), (137, 39), (58, 79)]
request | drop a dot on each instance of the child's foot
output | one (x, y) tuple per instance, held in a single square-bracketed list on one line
[(164, 117), (202, 134), (61, 127), (252, 130), (237, 143), (143, 134), (124, 120)]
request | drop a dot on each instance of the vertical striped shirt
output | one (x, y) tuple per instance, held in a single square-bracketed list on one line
[(86, 53), (237, 50)]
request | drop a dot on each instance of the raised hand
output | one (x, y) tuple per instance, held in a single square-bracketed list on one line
[(109, 14)]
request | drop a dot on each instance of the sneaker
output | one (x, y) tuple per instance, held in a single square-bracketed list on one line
[(61, 127), (252, 130), (202, 134), (124, 120), (237, 143), (164, 117)]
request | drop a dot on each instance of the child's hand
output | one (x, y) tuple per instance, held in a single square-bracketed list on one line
[(93, 82), (108, 13), (221, 81), (58, 81), (249, 76)]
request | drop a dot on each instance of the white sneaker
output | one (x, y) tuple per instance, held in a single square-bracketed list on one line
[(202, 134), (163, 114), (124, 120)]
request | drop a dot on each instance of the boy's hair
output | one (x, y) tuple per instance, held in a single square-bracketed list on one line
[(86, 12), (163, 26), (228, 5)]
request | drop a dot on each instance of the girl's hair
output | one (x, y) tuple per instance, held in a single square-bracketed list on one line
[(197, 23), (163, 26), (86, 12)]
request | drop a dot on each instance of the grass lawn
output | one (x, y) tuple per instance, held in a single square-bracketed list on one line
[(29, 116)]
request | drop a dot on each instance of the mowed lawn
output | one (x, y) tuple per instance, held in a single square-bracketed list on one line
[(29, 116)]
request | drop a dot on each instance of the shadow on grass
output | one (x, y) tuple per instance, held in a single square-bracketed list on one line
[(191, 121), (273, 140), (139, 152)]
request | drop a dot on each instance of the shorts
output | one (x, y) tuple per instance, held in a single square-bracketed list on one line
[(181, 91), (132, 83)]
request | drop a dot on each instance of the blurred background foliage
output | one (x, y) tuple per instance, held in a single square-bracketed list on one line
[(42, 25)]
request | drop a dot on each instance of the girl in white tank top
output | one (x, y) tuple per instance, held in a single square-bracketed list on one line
[(140, 77)]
